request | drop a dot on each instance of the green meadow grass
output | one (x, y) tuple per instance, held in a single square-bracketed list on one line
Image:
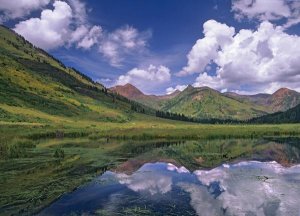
[(40, 161)]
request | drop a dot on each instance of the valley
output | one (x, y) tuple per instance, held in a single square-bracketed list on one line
[(207, 103), (60, 129)]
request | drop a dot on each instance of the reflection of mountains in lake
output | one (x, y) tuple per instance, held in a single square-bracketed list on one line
[(209, 153), (244, 188), (204, 177)]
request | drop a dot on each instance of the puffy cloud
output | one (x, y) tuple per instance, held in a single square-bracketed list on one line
[(171, 90), (13, 9), (172, 167), (211, 81), (295, 18), (78, 34), (54, 28), (267, 10), (49, 30), (146, 181), (143, 78), (264, 60), (225, 190), (121, 42), (201, 200), (274, 191), (67, 25), (85, 36), (79, 11), (216, 35), (261, 9), (91, 38)]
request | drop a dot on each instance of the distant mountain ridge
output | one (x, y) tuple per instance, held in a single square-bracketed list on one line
[(128, 91), (204, 102), (133, 93), (281, 100)]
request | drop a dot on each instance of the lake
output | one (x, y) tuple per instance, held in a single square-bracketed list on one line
[(213, 177)]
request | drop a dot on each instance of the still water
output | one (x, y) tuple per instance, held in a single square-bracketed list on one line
[(240, 187)]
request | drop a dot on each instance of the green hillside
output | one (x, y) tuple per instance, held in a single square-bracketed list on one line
[(290, 116), (198, 103), (35, 87), (207, 103)]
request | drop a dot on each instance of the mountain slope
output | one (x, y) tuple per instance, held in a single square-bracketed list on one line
[(284, 99), (290, 116), (128, 91), (281, 100), (131, 92), (208, 103), (204, 103), (35, 87)]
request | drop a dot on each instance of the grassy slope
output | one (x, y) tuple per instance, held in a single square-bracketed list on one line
[(35, 87), (208, 103), (198, 103)]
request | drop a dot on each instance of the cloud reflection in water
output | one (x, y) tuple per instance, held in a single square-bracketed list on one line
[(245, 188)]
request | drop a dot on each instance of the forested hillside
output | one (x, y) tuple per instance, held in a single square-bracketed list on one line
[(289, 116)]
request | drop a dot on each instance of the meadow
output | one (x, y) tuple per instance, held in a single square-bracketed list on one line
[(41, 161)]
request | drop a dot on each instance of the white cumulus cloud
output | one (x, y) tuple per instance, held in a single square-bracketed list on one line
[(91, 38), (275, 189), (49, 30), (215, 35), (268, 10), (145, 181), (265, 59), (145, 78), (67, 24), (171, 90), (122, 42), (13, 9), (172, 167), (55, 27)]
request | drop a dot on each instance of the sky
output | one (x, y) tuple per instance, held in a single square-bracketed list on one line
[(242, 46)]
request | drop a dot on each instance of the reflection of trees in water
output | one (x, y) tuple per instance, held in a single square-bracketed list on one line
[(211, 153), (136, 149), (288, 149)]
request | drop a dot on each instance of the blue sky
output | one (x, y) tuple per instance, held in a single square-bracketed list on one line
[(163, 45)]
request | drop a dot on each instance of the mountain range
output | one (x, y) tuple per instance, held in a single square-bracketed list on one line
[(36, 87), (206, 103)]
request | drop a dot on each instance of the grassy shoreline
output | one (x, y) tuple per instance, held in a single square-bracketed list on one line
[(40, 162)]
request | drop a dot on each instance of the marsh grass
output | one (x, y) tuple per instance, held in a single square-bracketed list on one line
[(40, 162), (16, 148)]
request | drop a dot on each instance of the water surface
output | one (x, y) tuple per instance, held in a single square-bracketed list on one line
[(253, 178)]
